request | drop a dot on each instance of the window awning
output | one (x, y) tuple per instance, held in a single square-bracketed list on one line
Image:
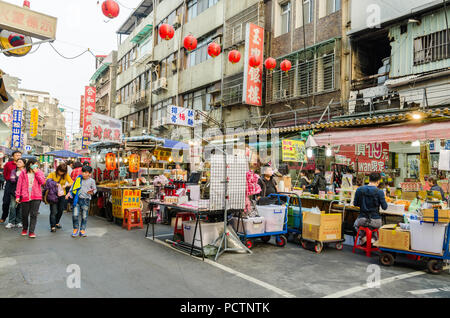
[(396, 133), (100, 71)]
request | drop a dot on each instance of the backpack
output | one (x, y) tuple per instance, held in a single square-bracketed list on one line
[(50, 192)]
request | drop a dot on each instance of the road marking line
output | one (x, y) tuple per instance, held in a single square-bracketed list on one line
[(356, 289), (429, 291), (234, 272)]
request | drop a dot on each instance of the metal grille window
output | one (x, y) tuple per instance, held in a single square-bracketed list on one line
[(285, 17), (235, 27), (432, 47), (232, 89)]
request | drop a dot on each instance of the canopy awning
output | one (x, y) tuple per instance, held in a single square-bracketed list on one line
[(63, 154), (100, 71), (395, 133), (173, 144)]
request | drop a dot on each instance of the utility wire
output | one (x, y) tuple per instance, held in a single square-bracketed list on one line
[(69, 58)]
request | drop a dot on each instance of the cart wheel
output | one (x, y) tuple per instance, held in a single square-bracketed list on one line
[(339, 246), (435, 266), (249, 244), (387, 259), (281, 241), (265, 239), (318, 247), (304, 244), (178, 238)]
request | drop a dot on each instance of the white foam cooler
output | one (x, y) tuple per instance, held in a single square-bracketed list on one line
[(210, 232), (427, 237), (274, 216)]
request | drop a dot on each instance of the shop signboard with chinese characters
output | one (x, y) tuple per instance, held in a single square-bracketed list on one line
[(27, 22), (89, 110), (106, 129), (180, 116), (294, 151), (34, 122), (6, 118), (254, 46), (364, 158), (16, 137)]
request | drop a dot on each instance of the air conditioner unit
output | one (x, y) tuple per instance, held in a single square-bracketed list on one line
[(159, 85), (178, 21)]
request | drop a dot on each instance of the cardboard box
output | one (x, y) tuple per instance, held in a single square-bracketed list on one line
[(392, 236), (430, 215), (322, 227)]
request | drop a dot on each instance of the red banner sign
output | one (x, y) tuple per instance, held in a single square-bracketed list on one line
[(82, 111), (89, 109), (254, 46), (365, 157)]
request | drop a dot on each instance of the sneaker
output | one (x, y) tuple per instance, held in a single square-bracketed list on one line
[(32, 235), (58, 226), (10, 226), (24, 232), (20, 225), (83, 233), (75, 233), (53, 229)]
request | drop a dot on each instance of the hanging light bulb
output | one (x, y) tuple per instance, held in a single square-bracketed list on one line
[(329, 152), (309, 153)]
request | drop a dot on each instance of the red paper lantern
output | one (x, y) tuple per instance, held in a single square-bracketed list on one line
[(254, 61), (190, 43), (214, 49), (234, 56), (166, 32), (110, 161), (26, 4), (286, 66), (110, 9), (270, 63), (135, 163)]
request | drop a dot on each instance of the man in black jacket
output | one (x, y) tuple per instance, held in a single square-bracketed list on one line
[(267, 183), (319, 183)]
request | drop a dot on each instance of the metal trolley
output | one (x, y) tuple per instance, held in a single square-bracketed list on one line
[(280, 237), (435, 262), (319, 245)]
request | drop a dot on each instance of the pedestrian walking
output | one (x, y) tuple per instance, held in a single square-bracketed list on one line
[(62, 178), (2, 180), (7, 169), (15, 209), (81, 192), (29, 193)]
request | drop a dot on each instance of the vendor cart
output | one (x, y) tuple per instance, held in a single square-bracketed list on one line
[(319, 245), (280, 237), (434, 262)]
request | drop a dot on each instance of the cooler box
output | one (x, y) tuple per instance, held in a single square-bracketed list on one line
[(427, 237), (210, 232), (274, 215)]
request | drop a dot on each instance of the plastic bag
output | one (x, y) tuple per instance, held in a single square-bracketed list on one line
[(415, 205)]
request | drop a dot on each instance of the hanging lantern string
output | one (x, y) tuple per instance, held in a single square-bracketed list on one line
[(121, 4)]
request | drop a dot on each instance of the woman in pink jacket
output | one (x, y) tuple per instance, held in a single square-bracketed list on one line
[(29, 193)]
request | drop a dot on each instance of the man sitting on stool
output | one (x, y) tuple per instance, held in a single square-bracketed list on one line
[(369, 199)]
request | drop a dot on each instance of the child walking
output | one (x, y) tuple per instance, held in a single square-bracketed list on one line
[(81, 191), (29, 194)]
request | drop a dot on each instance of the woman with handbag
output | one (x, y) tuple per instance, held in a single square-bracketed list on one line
[(62, 178)]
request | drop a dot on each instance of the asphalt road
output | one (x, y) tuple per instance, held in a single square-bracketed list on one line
[(117, 263)]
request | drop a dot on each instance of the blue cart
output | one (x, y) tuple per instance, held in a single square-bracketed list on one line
[(435, 262), (280, 237)]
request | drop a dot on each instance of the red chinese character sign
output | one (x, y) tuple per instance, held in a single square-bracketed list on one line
[(365, 157), (106, 129), (254, 48), (89, 110), (134, 163), (111, 161)]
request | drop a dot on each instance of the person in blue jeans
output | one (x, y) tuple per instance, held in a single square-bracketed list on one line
[(81, 191), (369, 199)]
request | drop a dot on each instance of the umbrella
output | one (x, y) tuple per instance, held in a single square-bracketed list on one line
[(64, 154)]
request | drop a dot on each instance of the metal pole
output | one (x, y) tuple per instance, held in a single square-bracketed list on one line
[(27, 45)]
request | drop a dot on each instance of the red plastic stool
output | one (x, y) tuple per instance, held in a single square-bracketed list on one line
[(178, 234), (368, 248), (132, 218)]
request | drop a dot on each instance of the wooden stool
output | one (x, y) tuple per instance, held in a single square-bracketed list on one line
[(132, 218)]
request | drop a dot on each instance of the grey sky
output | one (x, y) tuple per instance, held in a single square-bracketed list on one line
[(81, 25)]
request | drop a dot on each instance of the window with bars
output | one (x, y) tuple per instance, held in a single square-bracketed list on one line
[(313, 72), (432, 47)]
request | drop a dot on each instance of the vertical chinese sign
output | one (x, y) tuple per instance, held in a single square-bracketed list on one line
[(16, 139), (254, 46), (34, 122), (89, 109), (82, 111)]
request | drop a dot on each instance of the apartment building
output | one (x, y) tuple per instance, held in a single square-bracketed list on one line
[(152, 71), (104, 79)]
